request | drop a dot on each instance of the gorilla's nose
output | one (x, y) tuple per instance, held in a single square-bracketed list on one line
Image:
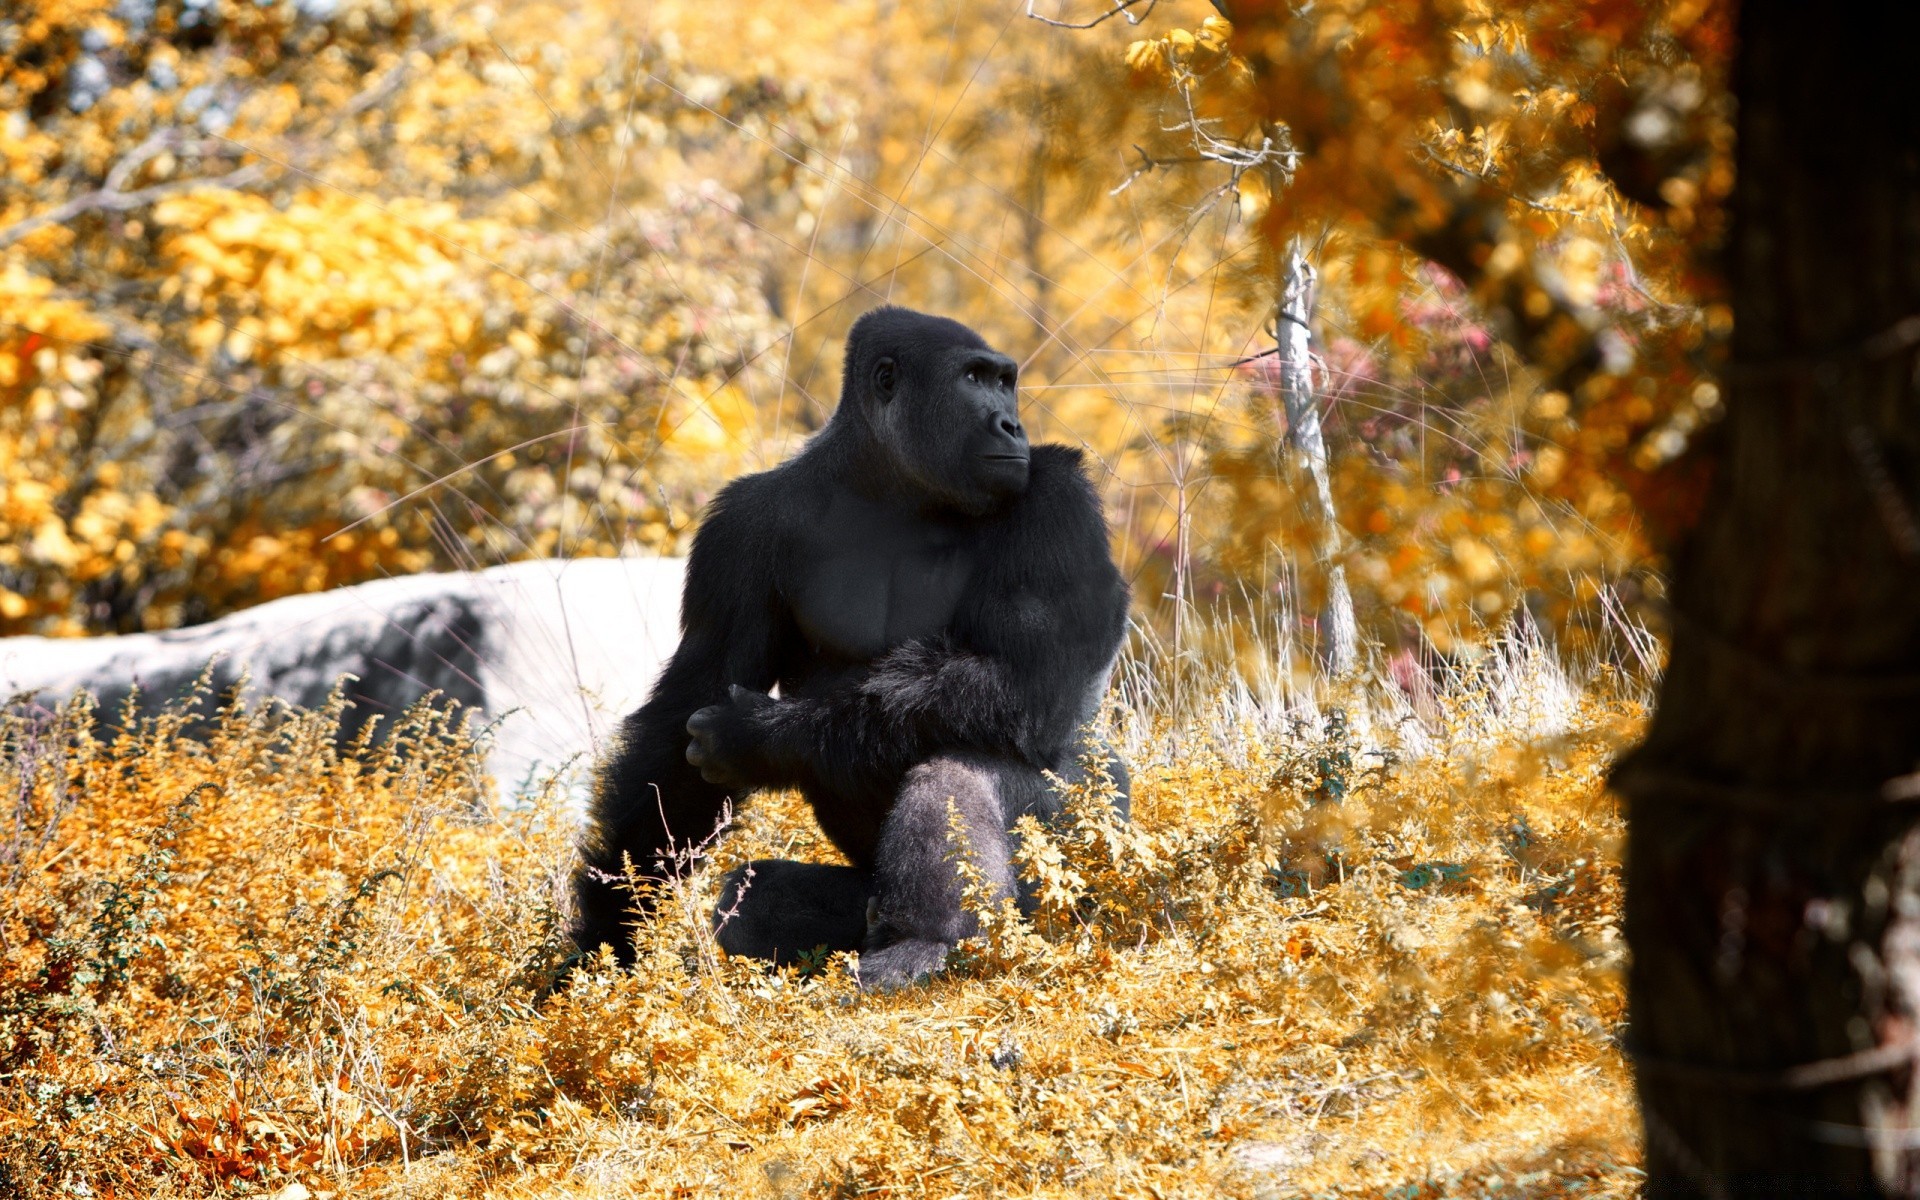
[(1010, 426)]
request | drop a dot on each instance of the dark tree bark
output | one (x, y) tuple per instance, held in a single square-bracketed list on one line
[(1772, 864)]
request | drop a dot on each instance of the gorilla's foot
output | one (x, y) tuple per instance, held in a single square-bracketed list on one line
[(791, 912), (905, 962)]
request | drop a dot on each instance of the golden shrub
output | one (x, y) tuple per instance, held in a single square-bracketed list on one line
[(257, 959)]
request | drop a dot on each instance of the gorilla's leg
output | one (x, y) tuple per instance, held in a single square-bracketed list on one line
[(917, 909), (785, 909)]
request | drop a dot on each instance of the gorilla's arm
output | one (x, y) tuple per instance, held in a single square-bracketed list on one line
[(648, 797), (1017, 677)]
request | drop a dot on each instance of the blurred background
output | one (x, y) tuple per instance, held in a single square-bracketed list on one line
[(295, 295)]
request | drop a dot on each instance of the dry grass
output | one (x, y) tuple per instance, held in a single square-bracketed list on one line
[(1307, 969)]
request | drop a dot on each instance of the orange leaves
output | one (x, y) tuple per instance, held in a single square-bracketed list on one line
[(1186, 1003), (1503, 145), (826, 1097), (236, 1142), (445, 274)]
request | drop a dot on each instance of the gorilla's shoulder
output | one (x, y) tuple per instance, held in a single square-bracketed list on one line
[(750, 511), (1058, 456), (768, 493), (1055, 472), (1060, 500)]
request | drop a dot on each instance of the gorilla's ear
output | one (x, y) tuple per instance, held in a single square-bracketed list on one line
[(883, 381)]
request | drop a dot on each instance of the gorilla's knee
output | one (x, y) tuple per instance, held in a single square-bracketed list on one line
[(780, 910), (919, 892)]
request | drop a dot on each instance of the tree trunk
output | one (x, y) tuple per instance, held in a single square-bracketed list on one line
[(1293, 321), (1771, 886)]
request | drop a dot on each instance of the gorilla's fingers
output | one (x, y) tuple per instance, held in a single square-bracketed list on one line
[(711, 769), (901, 964), (714, 746)]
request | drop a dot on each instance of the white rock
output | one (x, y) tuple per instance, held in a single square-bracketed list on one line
[(555, 652)]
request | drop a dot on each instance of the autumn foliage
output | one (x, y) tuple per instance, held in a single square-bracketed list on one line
[(1327, 956), (300, 294), (297, 295)]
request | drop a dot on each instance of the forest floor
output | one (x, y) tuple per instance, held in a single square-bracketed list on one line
[(1344, 949)]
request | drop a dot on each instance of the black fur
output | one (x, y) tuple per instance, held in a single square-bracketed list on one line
[(937, 603)]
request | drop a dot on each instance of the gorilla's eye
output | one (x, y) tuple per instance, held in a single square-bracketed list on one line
[(973, 374), (1006, 380), (883, 378)]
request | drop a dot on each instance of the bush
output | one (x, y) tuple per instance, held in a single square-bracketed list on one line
[(254, 960)]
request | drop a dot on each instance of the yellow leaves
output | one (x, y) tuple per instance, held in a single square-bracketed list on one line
[(1484, 34), (333, 274), (825, 1097), (1476, 560), (1255, 193), (1581, 261), (1057, 886), (1155, 59), (1147, 59), (50, 546), (221, 225), (353, 315), (1548, 465), (27, 303), (204, 336), (708, 424), (716, 1076), (42, 336), (25, 502)]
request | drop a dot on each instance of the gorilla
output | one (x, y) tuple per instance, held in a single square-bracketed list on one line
[(936, 600)]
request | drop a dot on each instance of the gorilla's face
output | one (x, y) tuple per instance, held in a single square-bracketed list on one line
[(952, 424), (943, 405)]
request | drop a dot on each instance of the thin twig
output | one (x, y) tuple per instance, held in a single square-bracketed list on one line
[(1121, 8), (108, 200)]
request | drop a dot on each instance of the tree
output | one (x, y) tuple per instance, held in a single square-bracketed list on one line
[(294, 295), (1292, 331), (1515, 343), (1773, 903), (1773, 876)]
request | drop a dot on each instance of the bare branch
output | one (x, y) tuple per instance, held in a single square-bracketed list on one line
[(1121, 8), (109, 200)]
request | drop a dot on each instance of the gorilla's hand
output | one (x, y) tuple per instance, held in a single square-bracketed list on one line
[(728, 740)]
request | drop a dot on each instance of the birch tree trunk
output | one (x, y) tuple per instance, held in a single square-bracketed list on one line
[(1773, 884), (1293, 327)]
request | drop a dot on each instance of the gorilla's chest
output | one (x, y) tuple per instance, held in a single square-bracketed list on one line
[(872, 580)]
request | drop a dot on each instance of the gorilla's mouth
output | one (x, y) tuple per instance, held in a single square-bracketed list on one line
[(1019, 458)]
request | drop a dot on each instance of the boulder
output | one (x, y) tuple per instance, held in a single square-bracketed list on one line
[(552, 653)]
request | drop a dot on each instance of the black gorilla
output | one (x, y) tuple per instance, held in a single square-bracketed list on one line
[(936, 600)]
